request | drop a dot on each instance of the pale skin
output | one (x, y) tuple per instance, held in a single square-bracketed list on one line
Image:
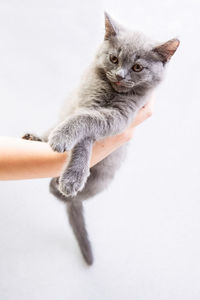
[(22, 159)]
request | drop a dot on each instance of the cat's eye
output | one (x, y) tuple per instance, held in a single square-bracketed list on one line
[(113, 59), (137, 68)]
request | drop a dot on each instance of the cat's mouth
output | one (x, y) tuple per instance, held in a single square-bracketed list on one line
[(122, 85), (119, 87)]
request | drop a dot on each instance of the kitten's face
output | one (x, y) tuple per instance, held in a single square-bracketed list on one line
[(128, 68), (130, 60)]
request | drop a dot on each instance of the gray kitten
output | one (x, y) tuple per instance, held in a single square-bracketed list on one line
[(126, 68)]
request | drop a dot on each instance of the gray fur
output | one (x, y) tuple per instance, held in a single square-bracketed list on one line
[(104, 105)]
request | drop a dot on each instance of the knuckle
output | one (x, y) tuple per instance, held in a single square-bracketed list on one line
[(149, 113)]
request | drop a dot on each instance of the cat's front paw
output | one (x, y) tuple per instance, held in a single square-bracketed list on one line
[(31, 137), (72, 181), (60, 142)]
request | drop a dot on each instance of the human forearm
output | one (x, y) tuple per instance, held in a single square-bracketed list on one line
[(22, 159)]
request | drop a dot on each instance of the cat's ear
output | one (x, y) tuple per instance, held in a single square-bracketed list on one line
[(167, 50), (110, 27)]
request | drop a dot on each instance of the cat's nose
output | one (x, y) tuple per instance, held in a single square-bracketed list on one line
[(120, 75)]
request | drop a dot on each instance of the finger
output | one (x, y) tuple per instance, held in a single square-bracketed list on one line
[(148, 108), (150, 103)]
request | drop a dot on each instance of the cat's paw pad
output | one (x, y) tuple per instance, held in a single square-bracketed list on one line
[(31, 137), (72, 181), (60, 143)]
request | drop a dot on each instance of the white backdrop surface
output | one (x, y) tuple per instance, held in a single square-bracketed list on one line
[(145, 228)]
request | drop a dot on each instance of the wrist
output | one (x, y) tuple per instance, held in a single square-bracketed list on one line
[(127, 135)]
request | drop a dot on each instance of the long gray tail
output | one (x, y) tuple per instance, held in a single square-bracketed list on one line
[(76, 219)]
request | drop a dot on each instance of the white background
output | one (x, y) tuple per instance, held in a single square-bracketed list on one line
[(145, 228)]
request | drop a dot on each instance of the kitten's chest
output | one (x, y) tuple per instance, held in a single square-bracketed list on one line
[(91, 98), (96, 96)]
